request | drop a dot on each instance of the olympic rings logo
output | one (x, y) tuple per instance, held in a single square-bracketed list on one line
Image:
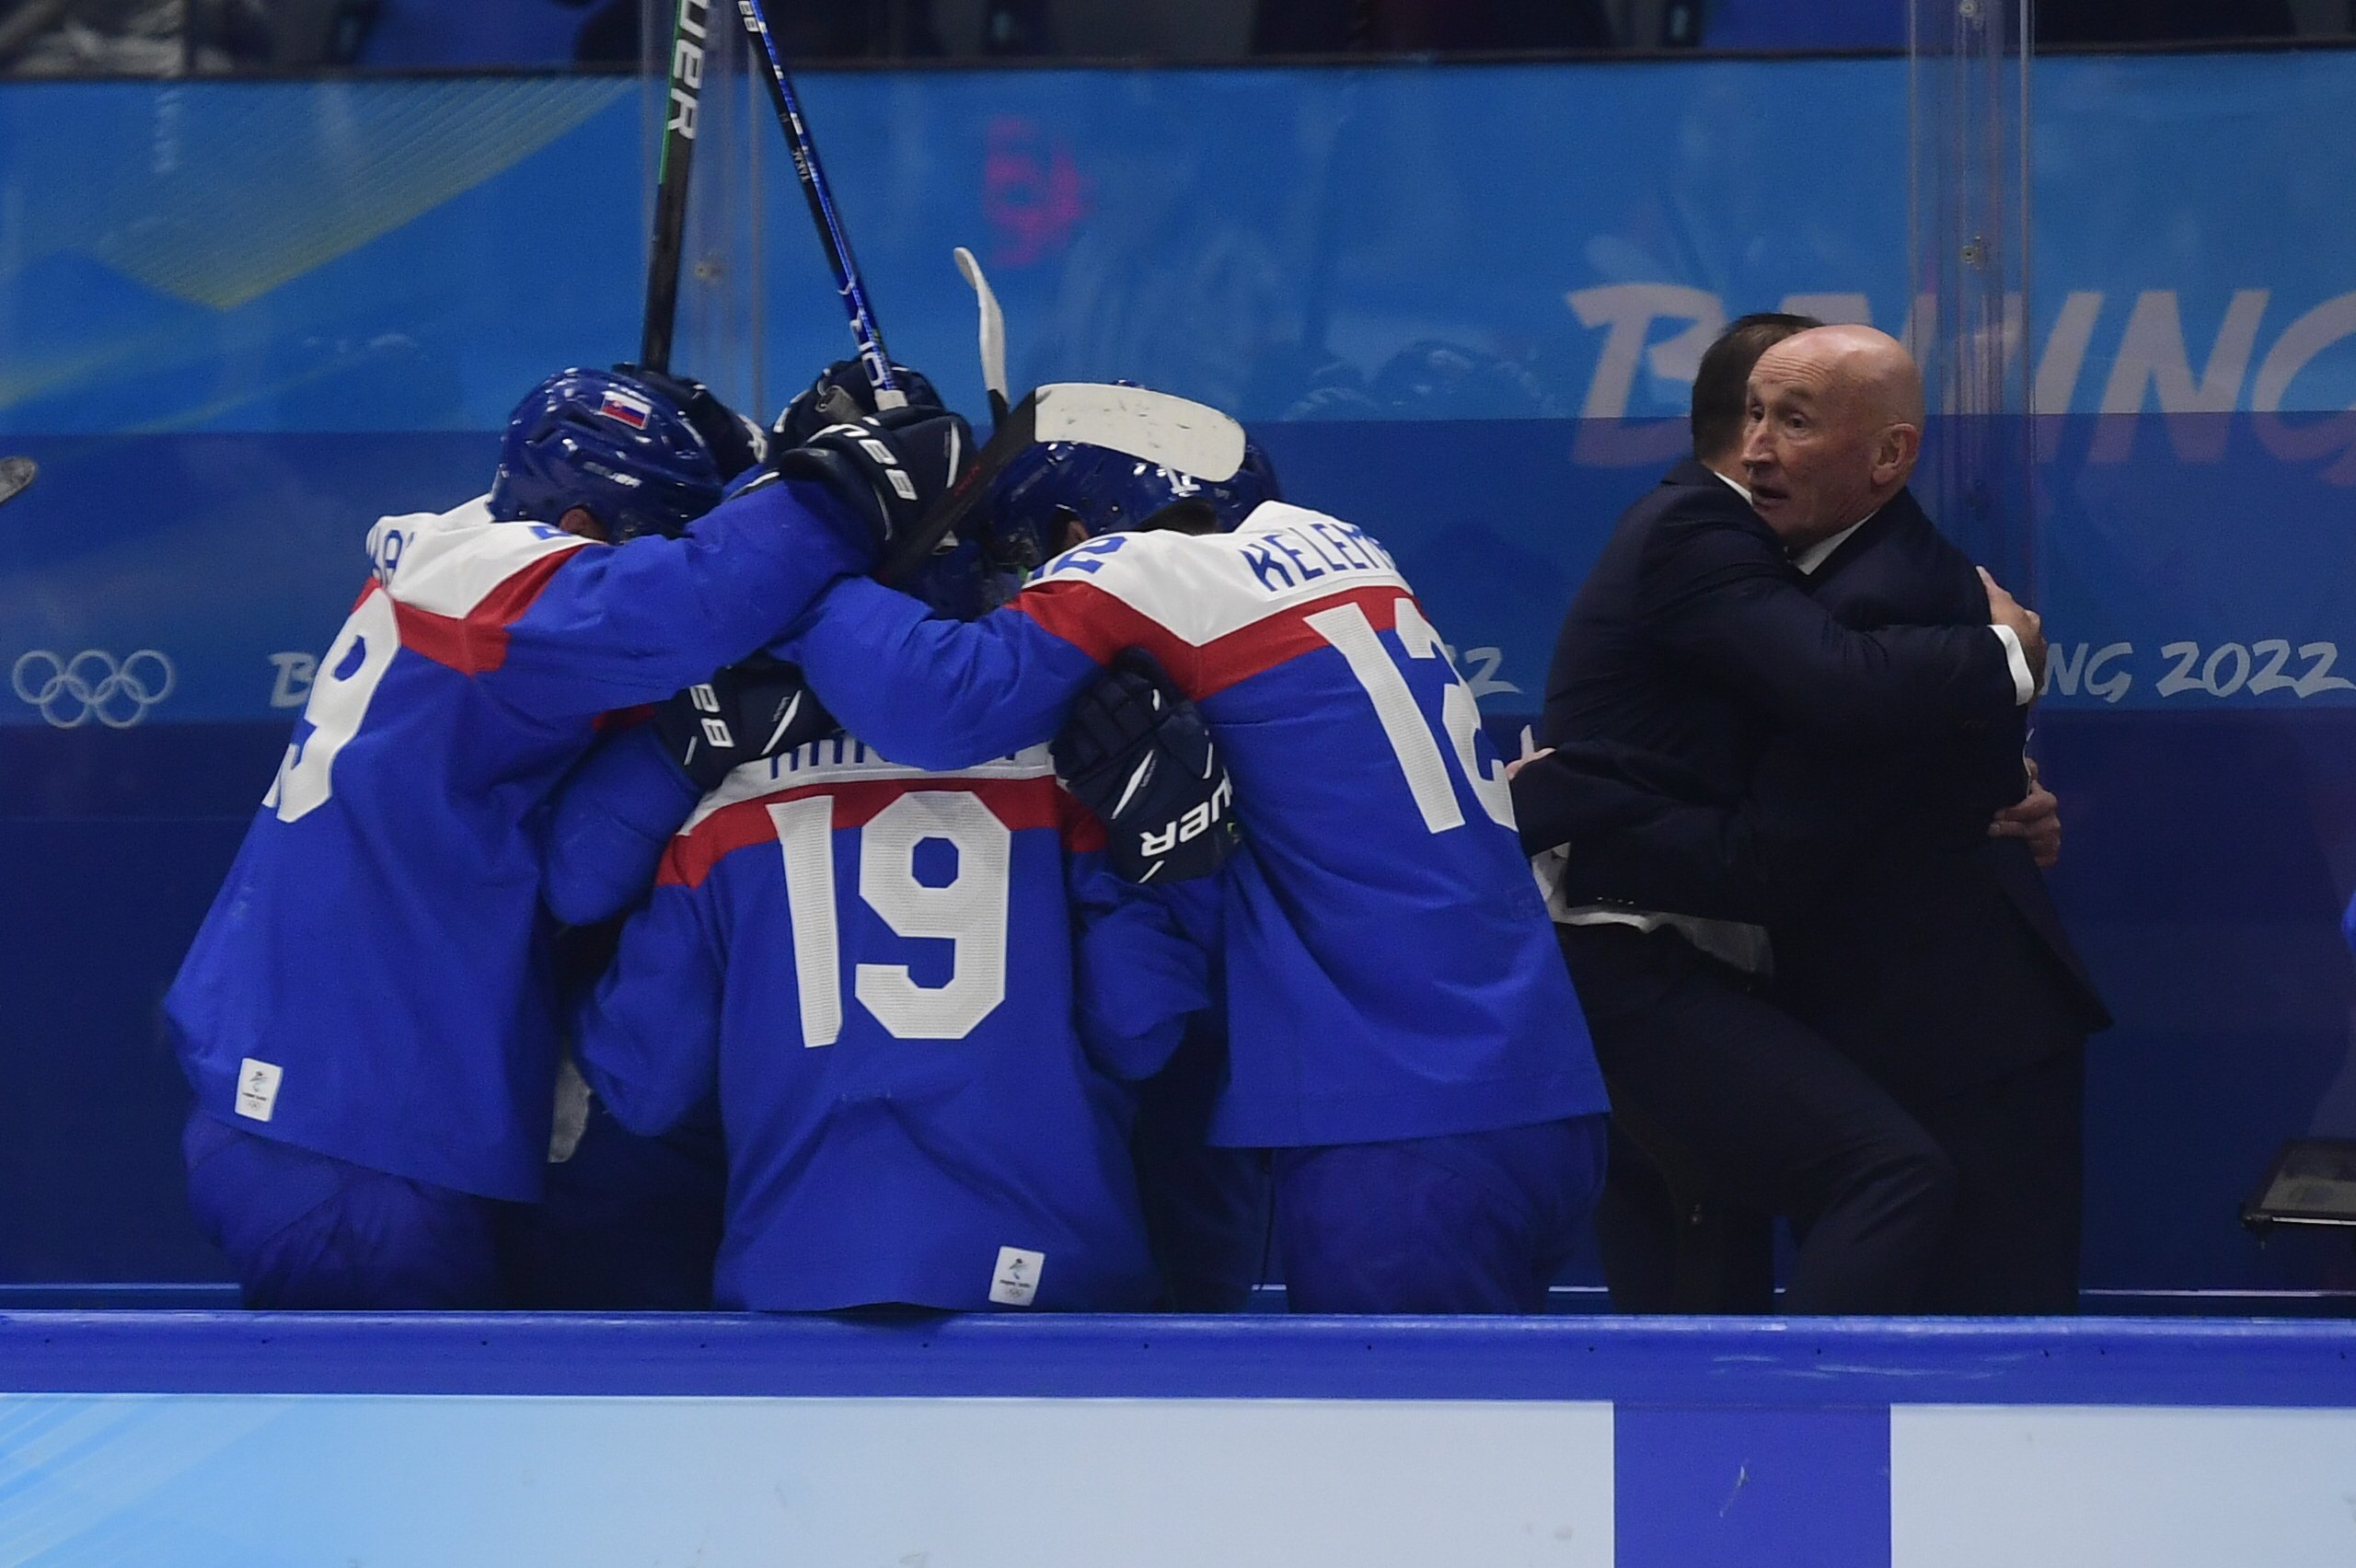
[(91, 685)]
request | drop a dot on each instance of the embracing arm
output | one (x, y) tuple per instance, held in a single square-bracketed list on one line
[(648, 1036), (608, 826), (614, 625), (931, 693), (1811, 814), (1144, 966), (1721, 601)]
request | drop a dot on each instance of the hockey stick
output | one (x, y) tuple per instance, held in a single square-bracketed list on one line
[(687, 30), (993, 333), (16, 473), (813, 175), (1152, 427)]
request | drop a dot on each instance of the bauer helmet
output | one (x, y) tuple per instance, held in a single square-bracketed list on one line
[(643, 452), (1025, 517)]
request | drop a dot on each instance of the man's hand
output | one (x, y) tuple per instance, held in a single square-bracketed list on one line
[(1136, 753), (888, 469), (744, 713), (2026, 624), (1525, 759), (2035, 820)]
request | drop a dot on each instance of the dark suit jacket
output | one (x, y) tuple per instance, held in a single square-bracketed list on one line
[(1931, 954), (1937, 960), (1691, 640)]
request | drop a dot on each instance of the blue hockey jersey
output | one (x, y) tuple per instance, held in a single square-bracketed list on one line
[(876, 971), (370, 982), (1390, 972)]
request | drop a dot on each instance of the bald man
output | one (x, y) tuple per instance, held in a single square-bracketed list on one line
[(1940, 1013), (1939, 963)]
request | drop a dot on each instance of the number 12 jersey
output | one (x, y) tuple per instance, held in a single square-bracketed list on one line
[(1390, 972)]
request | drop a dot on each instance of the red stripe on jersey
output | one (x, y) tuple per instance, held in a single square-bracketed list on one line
[(476, 642), (1227, 661), (1018, 803), (1099, 624)]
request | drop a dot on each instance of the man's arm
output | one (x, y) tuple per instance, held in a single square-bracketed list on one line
[(615, 626), (1575, 793), (935, 694), (648, 1038), (1809, 815), (606, 827), (1630, 840), (1144, 966), (608, 824), (1720, 600)]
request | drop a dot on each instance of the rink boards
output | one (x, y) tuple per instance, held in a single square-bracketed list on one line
[(1010, 1442)]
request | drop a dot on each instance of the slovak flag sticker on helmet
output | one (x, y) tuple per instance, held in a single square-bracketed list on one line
[(632, 411)]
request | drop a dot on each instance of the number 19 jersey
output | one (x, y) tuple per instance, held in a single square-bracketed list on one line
[(879, 972), (1390, 972)]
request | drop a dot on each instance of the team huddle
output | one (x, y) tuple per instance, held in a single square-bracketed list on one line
[(648, 891)]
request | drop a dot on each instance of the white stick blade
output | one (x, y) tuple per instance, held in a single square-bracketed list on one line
[(1171, 432), (16, 473), (993, 327)]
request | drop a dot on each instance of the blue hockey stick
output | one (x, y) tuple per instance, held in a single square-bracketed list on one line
[(813, 175)]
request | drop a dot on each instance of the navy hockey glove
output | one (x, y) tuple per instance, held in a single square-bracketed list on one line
[(842, 393), (744, 713), (888, 469), (1137, 753)]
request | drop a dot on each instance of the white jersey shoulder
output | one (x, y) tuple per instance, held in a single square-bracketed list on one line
[(1202, 586), (842, 760), (448, 562)]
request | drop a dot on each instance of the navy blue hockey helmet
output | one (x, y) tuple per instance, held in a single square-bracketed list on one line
[(1025, 517), (645, 453)]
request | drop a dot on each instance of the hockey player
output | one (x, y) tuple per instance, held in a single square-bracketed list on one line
[(885, 976), (629, 1197), (627, 1223), (1402, 1035), (365, 1012), (873, 969)]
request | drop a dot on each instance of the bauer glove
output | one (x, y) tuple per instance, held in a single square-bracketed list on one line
[(1137, 754), (887, 469)]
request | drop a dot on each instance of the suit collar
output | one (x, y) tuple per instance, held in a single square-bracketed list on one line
[(1810, 560), (1898, 511)]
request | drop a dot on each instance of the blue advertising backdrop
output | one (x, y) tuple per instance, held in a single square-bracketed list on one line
[(1460, 305)]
